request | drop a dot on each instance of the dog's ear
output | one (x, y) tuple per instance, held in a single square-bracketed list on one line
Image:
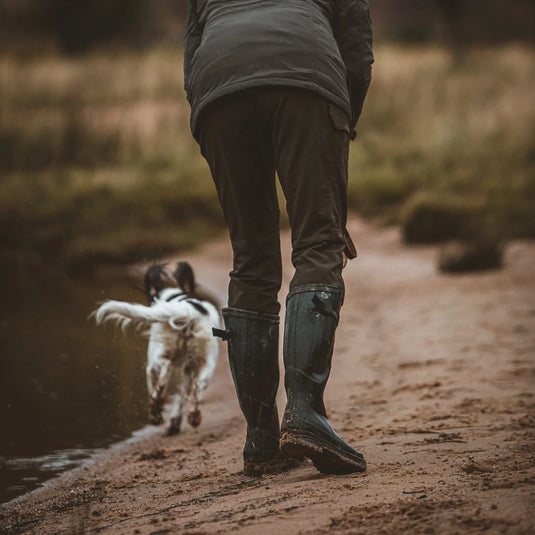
[(154, 280), (185, 279)]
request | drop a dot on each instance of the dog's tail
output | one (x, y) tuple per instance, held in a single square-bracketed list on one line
[(130, 314)]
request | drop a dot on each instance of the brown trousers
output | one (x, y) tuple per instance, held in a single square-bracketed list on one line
[(246, 138)]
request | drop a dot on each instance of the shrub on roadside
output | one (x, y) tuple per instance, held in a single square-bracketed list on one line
[(462, 257), (435, 218)]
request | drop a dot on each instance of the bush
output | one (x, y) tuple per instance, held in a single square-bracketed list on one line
[(462, 257), (434, 218)]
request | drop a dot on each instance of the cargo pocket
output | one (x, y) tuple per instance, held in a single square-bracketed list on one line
[(339, 119)]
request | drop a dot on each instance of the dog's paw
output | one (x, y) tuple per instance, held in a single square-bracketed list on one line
[(155, 411), (174, 427), (194, 418)]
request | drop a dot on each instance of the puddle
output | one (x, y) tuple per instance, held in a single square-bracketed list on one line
[(67, 388)]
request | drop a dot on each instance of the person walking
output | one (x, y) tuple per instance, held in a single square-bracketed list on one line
[(276, 87)]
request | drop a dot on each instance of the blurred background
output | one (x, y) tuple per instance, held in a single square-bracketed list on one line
[(99, 169)]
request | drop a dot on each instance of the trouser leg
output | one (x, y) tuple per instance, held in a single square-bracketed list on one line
[(310, 138), (239, 154)]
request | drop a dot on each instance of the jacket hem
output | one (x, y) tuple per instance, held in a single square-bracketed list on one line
[(231, 89)]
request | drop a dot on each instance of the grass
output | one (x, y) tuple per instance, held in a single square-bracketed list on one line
[(99, 166)]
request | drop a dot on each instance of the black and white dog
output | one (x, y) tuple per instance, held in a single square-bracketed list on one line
[(182, 353)]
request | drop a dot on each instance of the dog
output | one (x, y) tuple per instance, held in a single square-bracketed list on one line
[(182, 353)]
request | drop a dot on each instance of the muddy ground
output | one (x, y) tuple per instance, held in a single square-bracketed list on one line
[(433, 380)]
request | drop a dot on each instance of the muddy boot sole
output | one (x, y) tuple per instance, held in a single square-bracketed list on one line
[(328, 459), (275, 466)]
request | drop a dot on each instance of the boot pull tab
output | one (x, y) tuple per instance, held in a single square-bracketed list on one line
[(323, 308), (224, 334)]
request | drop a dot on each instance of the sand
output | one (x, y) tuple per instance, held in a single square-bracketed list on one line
[(433, 380)]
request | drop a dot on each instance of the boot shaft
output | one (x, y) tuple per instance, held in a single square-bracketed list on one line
[(253, 344), (312, 314)]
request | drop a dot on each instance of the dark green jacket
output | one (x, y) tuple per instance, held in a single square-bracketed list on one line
[(320, 45)]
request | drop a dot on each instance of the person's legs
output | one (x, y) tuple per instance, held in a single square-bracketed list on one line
[(311, 142), (240, 159)]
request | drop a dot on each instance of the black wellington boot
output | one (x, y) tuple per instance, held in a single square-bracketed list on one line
[(253, 347), (312, 314)]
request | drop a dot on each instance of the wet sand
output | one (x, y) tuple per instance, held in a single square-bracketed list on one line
[(433, 380)]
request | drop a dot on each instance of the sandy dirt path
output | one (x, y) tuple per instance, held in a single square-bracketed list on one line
[(433, 380)]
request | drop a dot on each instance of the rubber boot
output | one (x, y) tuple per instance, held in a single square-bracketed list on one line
[(253, 346), (312, 314)]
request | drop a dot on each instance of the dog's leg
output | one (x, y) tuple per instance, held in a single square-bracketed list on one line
[(155, 361), (156, 400), (199, 383), (188, 388), (157, 383), (194, 415), (166, 381), (176, 416)]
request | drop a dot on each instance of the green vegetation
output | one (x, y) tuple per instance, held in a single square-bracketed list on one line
[(98, 164)]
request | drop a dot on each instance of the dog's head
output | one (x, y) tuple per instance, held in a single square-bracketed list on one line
[(185, 279), (155, 278)]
